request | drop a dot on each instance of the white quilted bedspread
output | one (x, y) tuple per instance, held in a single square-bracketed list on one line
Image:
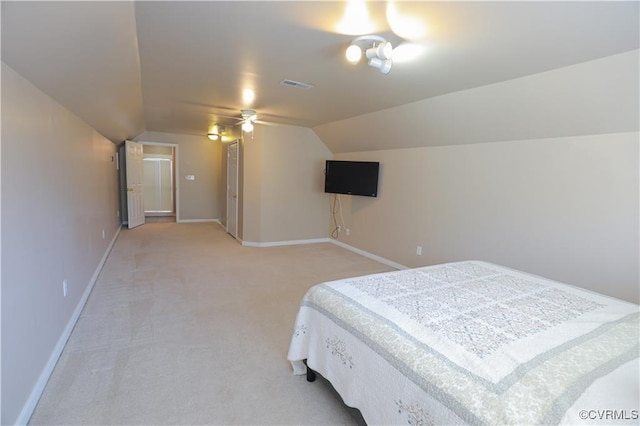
[(471, 342)]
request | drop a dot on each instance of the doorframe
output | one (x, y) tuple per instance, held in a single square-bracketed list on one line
[(176, 164), (237, 143)]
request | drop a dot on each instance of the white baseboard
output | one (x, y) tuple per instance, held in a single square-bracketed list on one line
[(284, 243), (325, 240), (34, 397), (369, 255), (198, 220)]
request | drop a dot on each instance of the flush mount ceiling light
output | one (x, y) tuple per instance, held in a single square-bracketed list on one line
[(377, 50), (216, 132)]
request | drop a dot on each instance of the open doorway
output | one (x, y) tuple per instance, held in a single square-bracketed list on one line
[(159, 171)]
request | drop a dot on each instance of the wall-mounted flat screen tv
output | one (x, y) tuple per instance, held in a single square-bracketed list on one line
[(352, 177)]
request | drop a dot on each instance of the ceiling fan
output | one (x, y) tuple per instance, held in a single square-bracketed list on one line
[(248, 117), (222, 119)]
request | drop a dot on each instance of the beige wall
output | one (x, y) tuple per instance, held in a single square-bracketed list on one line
[(59, 192), (197, 155), (563, 206), (283, 194)]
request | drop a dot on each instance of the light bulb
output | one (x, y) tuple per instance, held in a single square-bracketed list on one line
[(247, 126), (213, 136), (354, 53)]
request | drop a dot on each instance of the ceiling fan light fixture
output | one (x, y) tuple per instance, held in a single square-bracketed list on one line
[(248, 114), (247, 126), (213, 136)]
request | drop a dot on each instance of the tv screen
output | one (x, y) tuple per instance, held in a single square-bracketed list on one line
[(352, 177)]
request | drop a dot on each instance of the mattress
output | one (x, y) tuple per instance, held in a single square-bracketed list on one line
[(471, 343)]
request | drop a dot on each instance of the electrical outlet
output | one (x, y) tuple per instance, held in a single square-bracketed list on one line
[(103, 234), (64, 288), (339, 228), (347, 231), (419, 250)]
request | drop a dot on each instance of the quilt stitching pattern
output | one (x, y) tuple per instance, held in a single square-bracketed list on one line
[(474, 306), (415, 414), (339, 348)]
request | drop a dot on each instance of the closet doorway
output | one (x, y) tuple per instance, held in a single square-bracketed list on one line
[(159, 182)]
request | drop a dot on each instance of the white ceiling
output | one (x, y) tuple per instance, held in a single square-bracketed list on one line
[(179, 67)]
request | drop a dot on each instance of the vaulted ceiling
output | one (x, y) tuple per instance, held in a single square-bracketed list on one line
[(180, 67)]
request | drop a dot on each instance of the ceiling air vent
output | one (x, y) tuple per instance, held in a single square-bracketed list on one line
[(298, 84)]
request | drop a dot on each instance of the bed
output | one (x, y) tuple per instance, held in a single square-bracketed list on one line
[(471, 343)]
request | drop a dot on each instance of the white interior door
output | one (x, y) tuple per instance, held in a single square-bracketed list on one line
[(135, 203), (232, 189)]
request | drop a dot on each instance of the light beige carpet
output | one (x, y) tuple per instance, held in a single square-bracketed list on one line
[(186, 326)]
